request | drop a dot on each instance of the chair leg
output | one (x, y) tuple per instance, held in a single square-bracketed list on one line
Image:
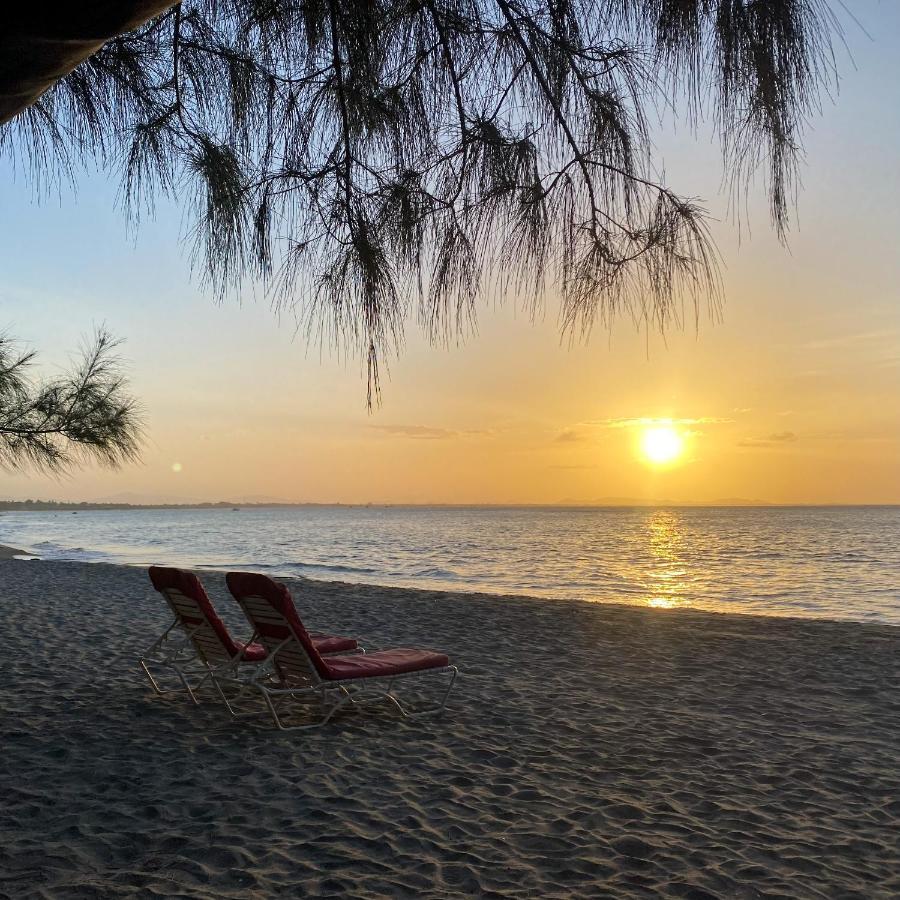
[(152, 680), (181, 677), (188, 687), (236, 714), (329, 712), (347, 697), (431, 710)]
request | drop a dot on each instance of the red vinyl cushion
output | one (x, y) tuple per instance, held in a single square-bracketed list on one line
[(383, 663), (250, 584), (187, 583), (329, 643), (252, 652), (333, 668), (324, 643)]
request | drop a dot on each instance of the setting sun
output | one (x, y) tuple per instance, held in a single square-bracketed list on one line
[(661, 444)]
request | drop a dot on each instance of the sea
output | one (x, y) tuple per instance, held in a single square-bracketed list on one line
[(825, 562)]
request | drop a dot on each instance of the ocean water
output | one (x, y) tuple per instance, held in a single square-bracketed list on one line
[(831, 562)]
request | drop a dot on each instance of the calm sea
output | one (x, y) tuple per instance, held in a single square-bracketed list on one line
[(839, 563)]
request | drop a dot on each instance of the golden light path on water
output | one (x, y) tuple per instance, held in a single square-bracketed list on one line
[(668, 578)]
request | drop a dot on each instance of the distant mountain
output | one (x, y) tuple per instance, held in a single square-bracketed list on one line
[(50, 505), (132, 498), (636, 501)]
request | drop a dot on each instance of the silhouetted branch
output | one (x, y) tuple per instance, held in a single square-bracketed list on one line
[(56, 424)]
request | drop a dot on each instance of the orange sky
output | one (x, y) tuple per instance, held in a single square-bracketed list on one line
[(793, 397)]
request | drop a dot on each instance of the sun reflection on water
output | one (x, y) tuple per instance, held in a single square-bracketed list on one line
[(668, 575)]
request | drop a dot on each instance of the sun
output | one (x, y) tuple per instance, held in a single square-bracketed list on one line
[(661, 444)]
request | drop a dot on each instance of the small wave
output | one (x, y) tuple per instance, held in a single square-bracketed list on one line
[(436, 572), (335, 568), (53, 550)]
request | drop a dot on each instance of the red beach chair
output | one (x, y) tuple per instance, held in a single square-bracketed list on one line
[(296, 667), (198, 643)]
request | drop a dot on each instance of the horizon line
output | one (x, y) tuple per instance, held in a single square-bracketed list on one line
[(36, 505)]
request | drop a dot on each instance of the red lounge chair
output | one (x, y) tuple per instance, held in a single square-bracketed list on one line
[(296, 668), (205, 647)]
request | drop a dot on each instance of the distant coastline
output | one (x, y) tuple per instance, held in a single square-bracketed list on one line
[(603, 503)]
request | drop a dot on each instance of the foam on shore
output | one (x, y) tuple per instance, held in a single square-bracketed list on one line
[(587, 751), (11, 552)]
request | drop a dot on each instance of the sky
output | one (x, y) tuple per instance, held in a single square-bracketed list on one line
[(792, 396)]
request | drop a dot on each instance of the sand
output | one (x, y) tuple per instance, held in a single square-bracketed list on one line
[(11, 552), (587, 751)]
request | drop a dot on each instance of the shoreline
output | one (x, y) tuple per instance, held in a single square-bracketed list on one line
[(11, 553), (828, 565), (587, 750)]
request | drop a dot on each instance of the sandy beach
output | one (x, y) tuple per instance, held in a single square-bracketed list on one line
[(587, 751)]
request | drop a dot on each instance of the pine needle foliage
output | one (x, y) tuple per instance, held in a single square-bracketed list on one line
[(372, 160), (54, 425)]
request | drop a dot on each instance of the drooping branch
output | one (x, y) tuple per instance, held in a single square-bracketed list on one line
[(365, 159)]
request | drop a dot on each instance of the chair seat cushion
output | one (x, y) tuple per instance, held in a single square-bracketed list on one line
[(324, 643), (252, 652), (383, 664), (329, 643)]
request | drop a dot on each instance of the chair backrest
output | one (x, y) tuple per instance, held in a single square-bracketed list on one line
[(271, 611), (194, 613)]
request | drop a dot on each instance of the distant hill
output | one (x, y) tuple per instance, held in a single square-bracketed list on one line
[(57, 505)]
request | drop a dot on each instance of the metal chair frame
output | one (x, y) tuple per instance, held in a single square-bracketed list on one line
[(198, 651), (287, 659), (185, 654)]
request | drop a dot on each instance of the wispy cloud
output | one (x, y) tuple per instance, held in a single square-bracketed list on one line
[(430, 432), (647, 420), (851, 340), (769, 440), (420, 432), (875, 349), (569, 436)]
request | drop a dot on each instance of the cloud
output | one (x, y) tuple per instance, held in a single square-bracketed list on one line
[(850, 340), (431, 433), (877, 349), (647, 420), (419, 432), (779, 437), (569, 436)]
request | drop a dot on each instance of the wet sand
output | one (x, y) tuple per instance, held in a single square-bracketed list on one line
[(10, 552), (587, 751)]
